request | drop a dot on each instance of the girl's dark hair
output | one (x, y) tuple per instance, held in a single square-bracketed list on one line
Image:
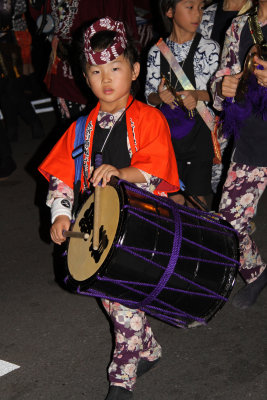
[(103, 39), (164, 6)]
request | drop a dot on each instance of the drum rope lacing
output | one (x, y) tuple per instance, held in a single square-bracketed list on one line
[(172, 233), (185, 223), (172, 313)]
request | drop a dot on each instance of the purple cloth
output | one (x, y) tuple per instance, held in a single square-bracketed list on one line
[(179, 121), (235, 114)]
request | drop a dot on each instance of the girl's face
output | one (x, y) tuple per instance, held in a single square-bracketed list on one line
[(187, 15), (111, 82)]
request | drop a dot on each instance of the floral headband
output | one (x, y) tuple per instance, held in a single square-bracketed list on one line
[(112, 52)]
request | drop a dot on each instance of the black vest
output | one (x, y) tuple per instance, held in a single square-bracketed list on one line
[(197, 144), (115, 151)]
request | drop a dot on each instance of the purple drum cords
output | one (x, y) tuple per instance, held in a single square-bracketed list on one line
[(169, 314)]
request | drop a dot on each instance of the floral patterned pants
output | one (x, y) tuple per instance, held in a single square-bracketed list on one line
[(241, 193), (134, 339)]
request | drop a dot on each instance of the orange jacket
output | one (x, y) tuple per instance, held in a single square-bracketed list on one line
[(150, 142)]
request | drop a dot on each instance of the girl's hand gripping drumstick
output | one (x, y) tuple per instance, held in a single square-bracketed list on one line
[(98, 189)]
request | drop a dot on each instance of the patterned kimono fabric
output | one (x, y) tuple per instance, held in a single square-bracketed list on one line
[(134, 338), (247, 176)]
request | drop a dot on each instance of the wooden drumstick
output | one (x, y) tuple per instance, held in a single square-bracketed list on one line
[(98, 188), (78, 235), (96, 217)]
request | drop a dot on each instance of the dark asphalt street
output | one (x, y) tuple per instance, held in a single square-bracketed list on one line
[(62, 342)]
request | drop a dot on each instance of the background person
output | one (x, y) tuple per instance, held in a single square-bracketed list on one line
[(199, 59), (216, 19), (62, 79), (247, 175)]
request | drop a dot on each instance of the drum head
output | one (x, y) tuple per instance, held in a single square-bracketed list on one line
[(83, 262)]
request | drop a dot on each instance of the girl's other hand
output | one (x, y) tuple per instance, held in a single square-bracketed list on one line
[(229, 84), (61, 223), (165, 95), (104, 173), (190, 98)]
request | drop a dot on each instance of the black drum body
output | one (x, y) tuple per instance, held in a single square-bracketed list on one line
[(175, 263)]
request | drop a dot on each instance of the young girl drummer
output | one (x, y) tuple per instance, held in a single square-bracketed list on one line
[(145, 157)]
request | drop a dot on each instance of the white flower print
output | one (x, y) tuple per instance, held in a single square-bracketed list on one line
[(130, 369), (240, 173), (246, 199), (136, 323), (134, 343)]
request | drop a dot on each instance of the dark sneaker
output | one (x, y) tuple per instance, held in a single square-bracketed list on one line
[(118, 393), (145, 366), (248, 295)]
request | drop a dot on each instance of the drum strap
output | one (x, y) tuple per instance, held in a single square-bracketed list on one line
[(77, 155)]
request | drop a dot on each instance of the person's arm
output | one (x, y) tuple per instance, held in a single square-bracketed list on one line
[(106, 171), (203, 95), (229, 85), (191, 97), (61, 223), (229, 65), (60, 200), (163, 95)]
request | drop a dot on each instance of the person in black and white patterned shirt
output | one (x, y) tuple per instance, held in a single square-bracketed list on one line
[(194, 151)]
